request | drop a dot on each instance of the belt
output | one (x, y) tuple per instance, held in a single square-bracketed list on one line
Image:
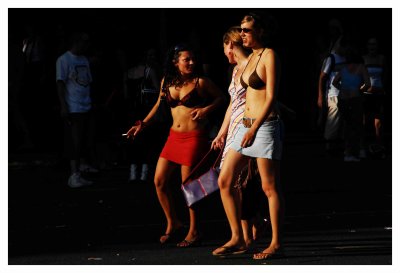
[(247, 122)]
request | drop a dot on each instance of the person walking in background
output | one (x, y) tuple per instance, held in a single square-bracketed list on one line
[(374, 97), (191, 98), (143, 85), (260, 136), (352, 80), (330, 118), (73, 84)]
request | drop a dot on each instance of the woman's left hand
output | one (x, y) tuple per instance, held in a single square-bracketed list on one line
[(248, 138), (197, 114)]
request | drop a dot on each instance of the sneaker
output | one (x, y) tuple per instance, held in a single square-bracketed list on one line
[(351, 158), (133, 171), (362, 154), (74, 181), (87, 169)]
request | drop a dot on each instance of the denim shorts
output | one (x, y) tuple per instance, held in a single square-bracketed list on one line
[(267, 143)]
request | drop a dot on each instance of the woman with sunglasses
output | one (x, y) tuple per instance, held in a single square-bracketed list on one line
[(191, 98), (259, 136)]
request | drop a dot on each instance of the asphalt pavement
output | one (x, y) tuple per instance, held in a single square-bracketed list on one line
[(337, 213)]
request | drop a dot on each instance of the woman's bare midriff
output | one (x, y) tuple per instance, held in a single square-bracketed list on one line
[(255, 100), (183, 122)]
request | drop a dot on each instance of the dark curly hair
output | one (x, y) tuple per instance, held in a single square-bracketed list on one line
[(172, 77)]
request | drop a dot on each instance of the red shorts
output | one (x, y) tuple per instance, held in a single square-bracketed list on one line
[(186, 148)]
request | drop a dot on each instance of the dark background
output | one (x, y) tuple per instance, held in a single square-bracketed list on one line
[(301, 32), (323, 194)]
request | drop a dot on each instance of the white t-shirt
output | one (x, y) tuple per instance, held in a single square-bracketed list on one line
[(332, 91), (74, 71)]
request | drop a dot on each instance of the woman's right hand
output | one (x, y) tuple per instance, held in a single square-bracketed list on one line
[(218, 142), (135, 129)]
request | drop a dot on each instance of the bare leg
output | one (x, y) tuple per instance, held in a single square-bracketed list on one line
[(231, 199), (378, 131), (193, 233), (162, 176), (247, 227), (269, 172)]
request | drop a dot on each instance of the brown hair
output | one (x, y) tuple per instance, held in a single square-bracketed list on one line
[(233, 35), (264, 25)]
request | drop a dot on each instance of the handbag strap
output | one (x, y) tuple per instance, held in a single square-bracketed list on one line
[(218, 158), (201, 162)]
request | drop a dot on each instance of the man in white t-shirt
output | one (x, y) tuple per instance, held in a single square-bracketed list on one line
[(328, 96), (73, 84)]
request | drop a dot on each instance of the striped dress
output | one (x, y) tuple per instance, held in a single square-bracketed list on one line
[(238, 99)]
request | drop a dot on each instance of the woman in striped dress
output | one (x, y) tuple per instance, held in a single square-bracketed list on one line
[(236, 54)]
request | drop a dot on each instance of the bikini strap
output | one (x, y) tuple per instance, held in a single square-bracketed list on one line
[(246, 66), (260, 57)]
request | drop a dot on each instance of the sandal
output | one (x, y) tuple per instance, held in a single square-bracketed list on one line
[(172, 236), (189, 243), (230, 250), (268, 255)]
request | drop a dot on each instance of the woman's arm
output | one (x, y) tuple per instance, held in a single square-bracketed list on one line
[(209, 89), (271, 78), (135, 129), (272, 69), (219, 140)]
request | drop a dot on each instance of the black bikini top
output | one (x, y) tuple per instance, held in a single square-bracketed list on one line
[(190, 100), (255, 81)]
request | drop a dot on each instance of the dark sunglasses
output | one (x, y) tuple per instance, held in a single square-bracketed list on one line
[(245, 30)]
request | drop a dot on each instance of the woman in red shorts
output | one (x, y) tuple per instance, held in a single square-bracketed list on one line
[(191, 98)]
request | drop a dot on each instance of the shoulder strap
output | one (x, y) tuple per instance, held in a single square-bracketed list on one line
[(260, 57), (190, 176), (246, 65)]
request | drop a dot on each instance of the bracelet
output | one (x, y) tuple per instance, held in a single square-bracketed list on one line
[(140, 123)]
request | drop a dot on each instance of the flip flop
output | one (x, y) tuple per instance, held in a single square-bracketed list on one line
[(265, 255), (172, 236), (230, 250), (189, 243)]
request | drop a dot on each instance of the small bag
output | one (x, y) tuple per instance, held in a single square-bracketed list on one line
[(196, 189), (163, 113), (249, 172)]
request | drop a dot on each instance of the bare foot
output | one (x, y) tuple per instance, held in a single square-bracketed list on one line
[(269, 253)]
